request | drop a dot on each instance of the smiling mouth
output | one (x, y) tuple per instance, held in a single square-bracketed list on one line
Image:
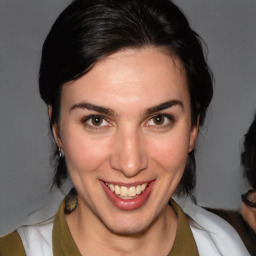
[(124, 192)]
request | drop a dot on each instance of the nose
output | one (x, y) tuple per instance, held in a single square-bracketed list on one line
[(129, 154)]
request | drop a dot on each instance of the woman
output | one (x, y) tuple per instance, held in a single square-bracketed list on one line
[(127, 86)]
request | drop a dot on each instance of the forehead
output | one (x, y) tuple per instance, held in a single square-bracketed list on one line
[(148, 75)]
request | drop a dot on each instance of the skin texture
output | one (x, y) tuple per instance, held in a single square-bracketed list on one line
[(249, 213), (128, 145)]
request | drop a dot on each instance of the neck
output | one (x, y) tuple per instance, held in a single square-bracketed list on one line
[(97, 239), (249, 215)]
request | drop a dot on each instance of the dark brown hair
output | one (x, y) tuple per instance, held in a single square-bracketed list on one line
[(248, 156), (87, 31)]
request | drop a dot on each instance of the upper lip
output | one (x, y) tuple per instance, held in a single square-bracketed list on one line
[(130, 184)]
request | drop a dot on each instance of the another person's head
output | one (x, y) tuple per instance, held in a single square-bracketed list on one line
[(248, 159), (90, 37)]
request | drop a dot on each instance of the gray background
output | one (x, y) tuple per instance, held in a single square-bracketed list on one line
[(229, 29)]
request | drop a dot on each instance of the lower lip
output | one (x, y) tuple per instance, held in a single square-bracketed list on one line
[(128, 204)]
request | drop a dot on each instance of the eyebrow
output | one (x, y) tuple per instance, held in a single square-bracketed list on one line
[(163, 106), (110, 112), (89, 106)]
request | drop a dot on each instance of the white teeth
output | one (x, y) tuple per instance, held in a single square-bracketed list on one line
[(132, 191), (138, 190), (112, 187), (143, 186), (124, 191), (117, 190), (127, 192)]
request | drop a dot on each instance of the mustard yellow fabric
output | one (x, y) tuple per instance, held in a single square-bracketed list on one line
[(64, 245), (62, 241), (11, 245), (184, 242)]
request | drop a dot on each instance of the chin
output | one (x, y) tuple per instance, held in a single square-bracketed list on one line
[(127, 226), (132, 230)]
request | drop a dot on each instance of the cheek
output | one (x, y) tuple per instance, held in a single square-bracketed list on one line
[(170, 153), (84, 154)]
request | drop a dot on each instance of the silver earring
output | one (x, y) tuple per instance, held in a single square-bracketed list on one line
[(61, 154)]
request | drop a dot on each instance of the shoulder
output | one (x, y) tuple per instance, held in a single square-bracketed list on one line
[(232, 217), (37, 238), (244, 230), (212, 232), (11, 245), (225, 214), (29, 240)]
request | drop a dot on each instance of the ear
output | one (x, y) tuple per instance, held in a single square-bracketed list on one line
[(193, 135), (55, 129)]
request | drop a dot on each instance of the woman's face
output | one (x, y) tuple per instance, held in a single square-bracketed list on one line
[(125, 129)]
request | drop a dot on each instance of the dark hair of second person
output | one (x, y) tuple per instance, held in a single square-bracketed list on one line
[(248, 157)]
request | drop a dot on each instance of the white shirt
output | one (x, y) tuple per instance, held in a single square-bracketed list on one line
[(216, 236), (213, 235)]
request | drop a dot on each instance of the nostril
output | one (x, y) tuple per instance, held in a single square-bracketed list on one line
[(130, 166)]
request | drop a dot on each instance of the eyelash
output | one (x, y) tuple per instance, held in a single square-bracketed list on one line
[(90, 118), (170, 120)]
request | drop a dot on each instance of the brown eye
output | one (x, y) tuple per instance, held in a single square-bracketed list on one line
[(161, 121), (158, 120), (97, 120)]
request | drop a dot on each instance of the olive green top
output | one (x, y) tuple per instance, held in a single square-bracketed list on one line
[(11, 245), (63, 243)]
